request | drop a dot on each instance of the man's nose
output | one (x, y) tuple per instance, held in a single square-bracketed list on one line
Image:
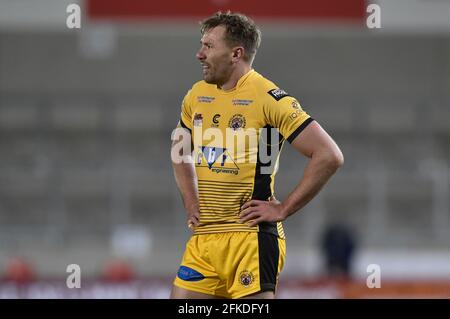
[(200, 55)]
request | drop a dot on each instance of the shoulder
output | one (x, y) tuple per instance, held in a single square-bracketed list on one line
[(198, 89), (268, 89), (201, 86)]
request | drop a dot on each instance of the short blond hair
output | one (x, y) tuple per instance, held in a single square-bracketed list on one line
[(240, 30)]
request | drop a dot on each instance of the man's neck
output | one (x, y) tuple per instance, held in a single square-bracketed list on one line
[(235, 76)]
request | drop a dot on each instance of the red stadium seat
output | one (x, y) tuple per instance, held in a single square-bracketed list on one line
[(118, 271), (19, 270)]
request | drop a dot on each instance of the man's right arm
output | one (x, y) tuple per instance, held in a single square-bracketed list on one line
[(185, 175)]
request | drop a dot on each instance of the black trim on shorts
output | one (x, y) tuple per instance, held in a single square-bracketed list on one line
[(269, 228), (269, 255), (299, 129)]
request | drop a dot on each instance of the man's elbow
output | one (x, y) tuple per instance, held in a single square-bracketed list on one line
[(335, 159)]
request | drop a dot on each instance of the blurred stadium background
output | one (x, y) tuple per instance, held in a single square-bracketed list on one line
[(86, 117)]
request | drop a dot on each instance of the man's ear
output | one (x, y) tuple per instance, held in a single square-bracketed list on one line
[(238, 53)]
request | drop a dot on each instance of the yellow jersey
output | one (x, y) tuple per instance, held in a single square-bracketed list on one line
[(237, 135)]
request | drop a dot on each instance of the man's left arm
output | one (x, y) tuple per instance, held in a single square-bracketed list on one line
[(325, 158)]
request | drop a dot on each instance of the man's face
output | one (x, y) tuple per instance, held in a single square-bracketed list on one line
[(215, 56)]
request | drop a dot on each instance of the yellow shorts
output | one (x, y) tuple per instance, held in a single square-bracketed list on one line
[(232, 264)]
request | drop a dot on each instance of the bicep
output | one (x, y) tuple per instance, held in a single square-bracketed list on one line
[(313, 139)]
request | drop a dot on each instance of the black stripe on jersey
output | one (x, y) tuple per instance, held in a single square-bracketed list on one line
[(216, 201), (221, 207), (229, 201), (230, 194), (215, 220), (235, 207), (201, 181), (224, 195), (221, 203), (218, 187), (226, 188), (221, 199), (299, 129), (216, 214), (269, 255), (206, 222), (262, 182)]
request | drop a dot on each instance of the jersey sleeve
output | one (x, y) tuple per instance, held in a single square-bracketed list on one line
[(186, 112), (284, 112)]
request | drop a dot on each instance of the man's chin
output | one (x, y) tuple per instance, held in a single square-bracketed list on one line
[(208, 79)]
